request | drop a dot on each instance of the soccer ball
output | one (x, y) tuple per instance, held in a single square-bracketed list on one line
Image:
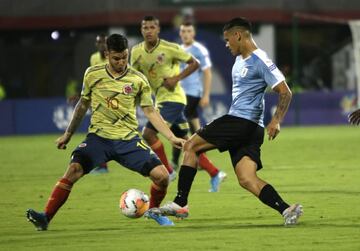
[(133, 203)]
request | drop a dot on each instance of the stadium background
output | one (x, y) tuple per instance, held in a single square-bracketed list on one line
[(45, 48)]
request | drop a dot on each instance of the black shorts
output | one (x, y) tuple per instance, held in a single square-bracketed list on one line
[(241, 137), (191, 109)]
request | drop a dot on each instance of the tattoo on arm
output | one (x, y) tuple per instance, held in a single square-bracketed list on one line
[(283, 105), (79, 113)]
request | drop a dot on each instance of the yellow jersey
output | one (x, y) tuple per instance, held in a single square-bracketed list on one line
[(114, 101), (161, 62), (97, 59)]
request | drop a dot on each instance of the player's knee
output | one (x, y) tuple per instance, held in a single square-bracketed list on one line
[(245, 181), (149, 135), (162, 180), (74, 172)]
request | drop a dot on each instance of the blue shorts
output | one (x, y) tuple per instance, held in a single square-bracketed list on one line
[(133, 154), (173, 114)]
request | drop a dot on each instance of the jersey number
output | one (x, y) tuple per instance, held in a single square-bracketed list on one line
[(112, 103)]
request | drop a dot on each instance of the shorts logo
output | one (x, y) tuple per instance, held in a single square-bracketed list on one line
[(82, 145), (243, 72), (127, 89)]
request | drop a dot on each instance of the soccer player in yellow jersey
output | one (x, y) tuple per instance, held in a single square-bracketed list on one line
[(112, 91), (99, 57), (159, 61)]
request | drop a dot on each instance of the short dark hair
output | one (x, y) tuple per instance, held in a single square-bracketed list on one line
[(240, 22), (116, 42), (187, 23), (151, 18)]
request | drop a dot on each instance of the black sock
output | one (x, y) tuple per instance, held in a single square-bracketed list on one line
[(270, 197), (186, 178), (175, 155)]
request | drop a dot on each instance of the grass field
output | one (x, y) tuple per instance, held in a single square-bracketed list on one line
[(317, 166)]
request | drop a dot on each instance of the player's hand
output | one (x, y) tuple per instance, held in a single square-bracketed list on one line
[(62, 141), (177, 142), (170, 83), (273, 129), (204, 101), (354, 117)]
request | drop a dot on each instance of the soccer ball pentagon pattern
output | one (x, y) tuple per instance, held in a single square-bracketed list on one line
[(133, 203)]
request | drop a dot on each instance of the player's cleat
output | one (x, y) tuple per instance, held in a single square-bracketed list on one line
[(154, 213), (172, 176), (39, 220), (292, 214), (174, 165), (173, 209), (216, 181)]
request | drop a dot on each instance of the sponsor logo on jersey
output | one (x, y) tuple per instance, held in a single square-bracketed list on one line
[(127, 89)]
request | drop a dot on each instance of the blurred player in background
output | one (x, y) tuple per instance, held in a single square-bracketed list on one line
[(241, 131), (112, 90), (159, 61), (99, 57), (354, 117), (197, 88)]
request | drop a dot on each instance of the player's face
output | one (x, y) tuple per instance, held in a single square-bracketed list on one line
[(118, 60), (150, 31), (232, 40), (100, 43), (187, 34)]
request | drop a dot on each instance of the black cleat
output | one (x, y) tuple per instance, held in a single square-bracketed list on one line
[(39, 220)]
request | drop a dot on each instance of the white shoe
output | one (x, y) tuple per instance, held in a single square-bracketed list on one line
[(172, 176), (173, 209), (292, 214)]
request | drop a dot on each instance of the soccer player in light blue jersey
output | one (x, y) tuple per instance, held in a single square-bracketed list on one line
[(241, 131), (197, 89)]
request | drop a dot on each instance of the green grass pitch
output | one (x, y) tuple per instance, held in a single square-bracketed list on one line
[(317, 166)]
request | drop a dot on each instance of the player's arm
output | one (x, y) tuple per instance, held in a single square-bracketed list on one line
[(285, 95), (192, 65), (80, 110), (354, 117), (207, 77), (158, 122)]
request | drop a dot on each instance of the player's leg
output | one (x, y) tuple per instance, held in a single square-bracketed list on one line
[(84, 158), (192, 116), (151, 138), (135, 155), (246, 171)]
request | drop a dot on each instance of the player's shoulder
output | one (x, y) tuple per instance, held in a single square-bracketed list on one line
[(93, 70), (201, 48), (169, 45), (261, 57), (138, 47)]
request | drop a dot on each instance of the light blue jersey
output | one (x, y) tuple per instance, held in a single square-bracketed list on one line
[(250, 78), (193, 84)]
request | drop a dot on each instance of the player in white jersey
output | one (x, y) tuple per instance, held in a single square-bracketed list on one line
[(241, 131), (197, 89)]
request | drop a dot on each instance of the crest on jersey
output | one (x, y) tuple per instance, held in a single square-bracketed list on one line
[(160, 58), (127, 89), (243, 72)]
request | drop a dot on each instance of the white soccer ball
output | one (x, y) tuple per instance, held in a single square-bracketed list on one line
[(133, 203)]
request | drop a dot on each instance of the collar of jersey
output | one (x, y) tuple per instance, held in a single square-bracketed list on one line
[(117, 78), (152, 49)]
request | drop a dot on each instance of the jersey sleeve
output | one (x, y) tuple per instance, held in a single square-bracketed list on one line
[(271, 74), (134, 58), (144, 98), (86, 91), (204, 58)]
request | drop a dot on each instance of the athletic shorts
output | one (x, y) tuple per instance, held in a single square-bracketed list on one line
[(241, 137), (133, 154), (173, 114), (191, 109)]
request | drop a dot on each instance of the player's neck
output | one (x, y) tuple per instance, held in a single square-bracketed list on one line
[(188, 44), (115, 73), (249, 47), (149, 45)]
